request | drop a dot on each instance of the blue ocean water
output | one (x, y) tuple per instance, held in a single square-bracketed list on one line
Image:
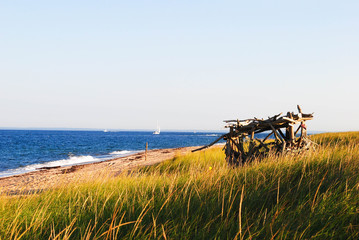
[(26, 150)]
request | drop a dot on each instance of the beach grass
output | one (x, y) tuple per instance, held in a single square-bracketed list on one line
[(198, 196)]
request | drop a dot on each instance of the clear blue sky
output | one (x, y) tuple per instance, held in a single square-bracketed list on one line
[(187, 64)]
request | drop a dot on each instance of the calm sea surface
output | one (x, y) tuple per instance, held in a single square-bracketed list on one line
[(26, 150)]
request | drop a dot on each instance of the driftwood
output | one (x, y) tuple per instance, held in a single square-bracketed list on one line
[(241, 145)]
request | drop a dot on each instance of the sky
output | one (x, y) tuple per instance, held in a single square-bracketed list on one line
[(185, 64)]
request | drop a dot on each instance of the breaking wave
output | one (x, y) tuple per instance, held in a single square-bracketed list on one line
[(121, 152), (72, 160)]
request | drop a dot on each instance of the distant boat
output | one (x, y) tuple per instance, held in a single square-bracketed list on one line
[(158, 131), (105, 130)]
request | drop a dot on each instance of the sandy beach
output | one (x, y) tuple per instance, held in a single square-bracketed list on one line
[(41, 180)]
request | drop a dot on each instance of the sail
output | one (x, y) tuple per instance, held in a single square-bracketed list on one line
[(158, 131)]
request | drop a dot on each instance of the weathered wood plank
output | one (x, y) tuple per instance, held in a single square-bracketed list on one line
[(211, 144)]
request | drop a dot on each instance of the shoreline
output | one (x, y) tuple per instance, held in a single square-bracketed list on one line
[(47, 178), (34, 167)]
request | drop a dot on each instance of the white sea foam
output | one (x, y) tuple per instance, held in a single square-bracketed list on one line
[(120, 152), (72, 160)]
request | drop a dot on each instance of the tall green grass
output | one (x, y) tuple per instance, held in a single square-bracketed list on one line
[(197, 196)]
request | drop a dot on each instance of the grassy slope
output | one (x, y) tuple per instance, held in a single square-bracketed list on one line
[(197, 196)]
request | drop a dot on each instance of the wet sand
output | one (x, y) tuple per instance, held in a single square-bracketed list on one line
[(41, 180)]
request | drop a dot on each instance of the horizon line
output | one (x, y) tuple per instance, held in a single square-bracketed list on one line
[(135, 130), (102, 129)]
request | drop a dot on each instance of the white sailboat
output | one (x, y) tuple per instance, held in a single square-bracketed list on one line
[(158, 131)]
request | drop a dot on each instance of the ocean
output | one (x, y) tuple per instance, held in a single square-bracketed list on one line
[(24, 151)]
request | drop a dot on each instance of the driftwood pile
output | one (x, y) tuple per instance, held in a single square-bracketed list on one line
[(289, 132)]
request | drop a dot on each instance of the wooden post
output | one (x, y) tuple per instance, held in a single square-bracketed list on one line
[(267, 136), (291, 134), (282, 134), (146, 151), (304, 129), (276, 134)]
